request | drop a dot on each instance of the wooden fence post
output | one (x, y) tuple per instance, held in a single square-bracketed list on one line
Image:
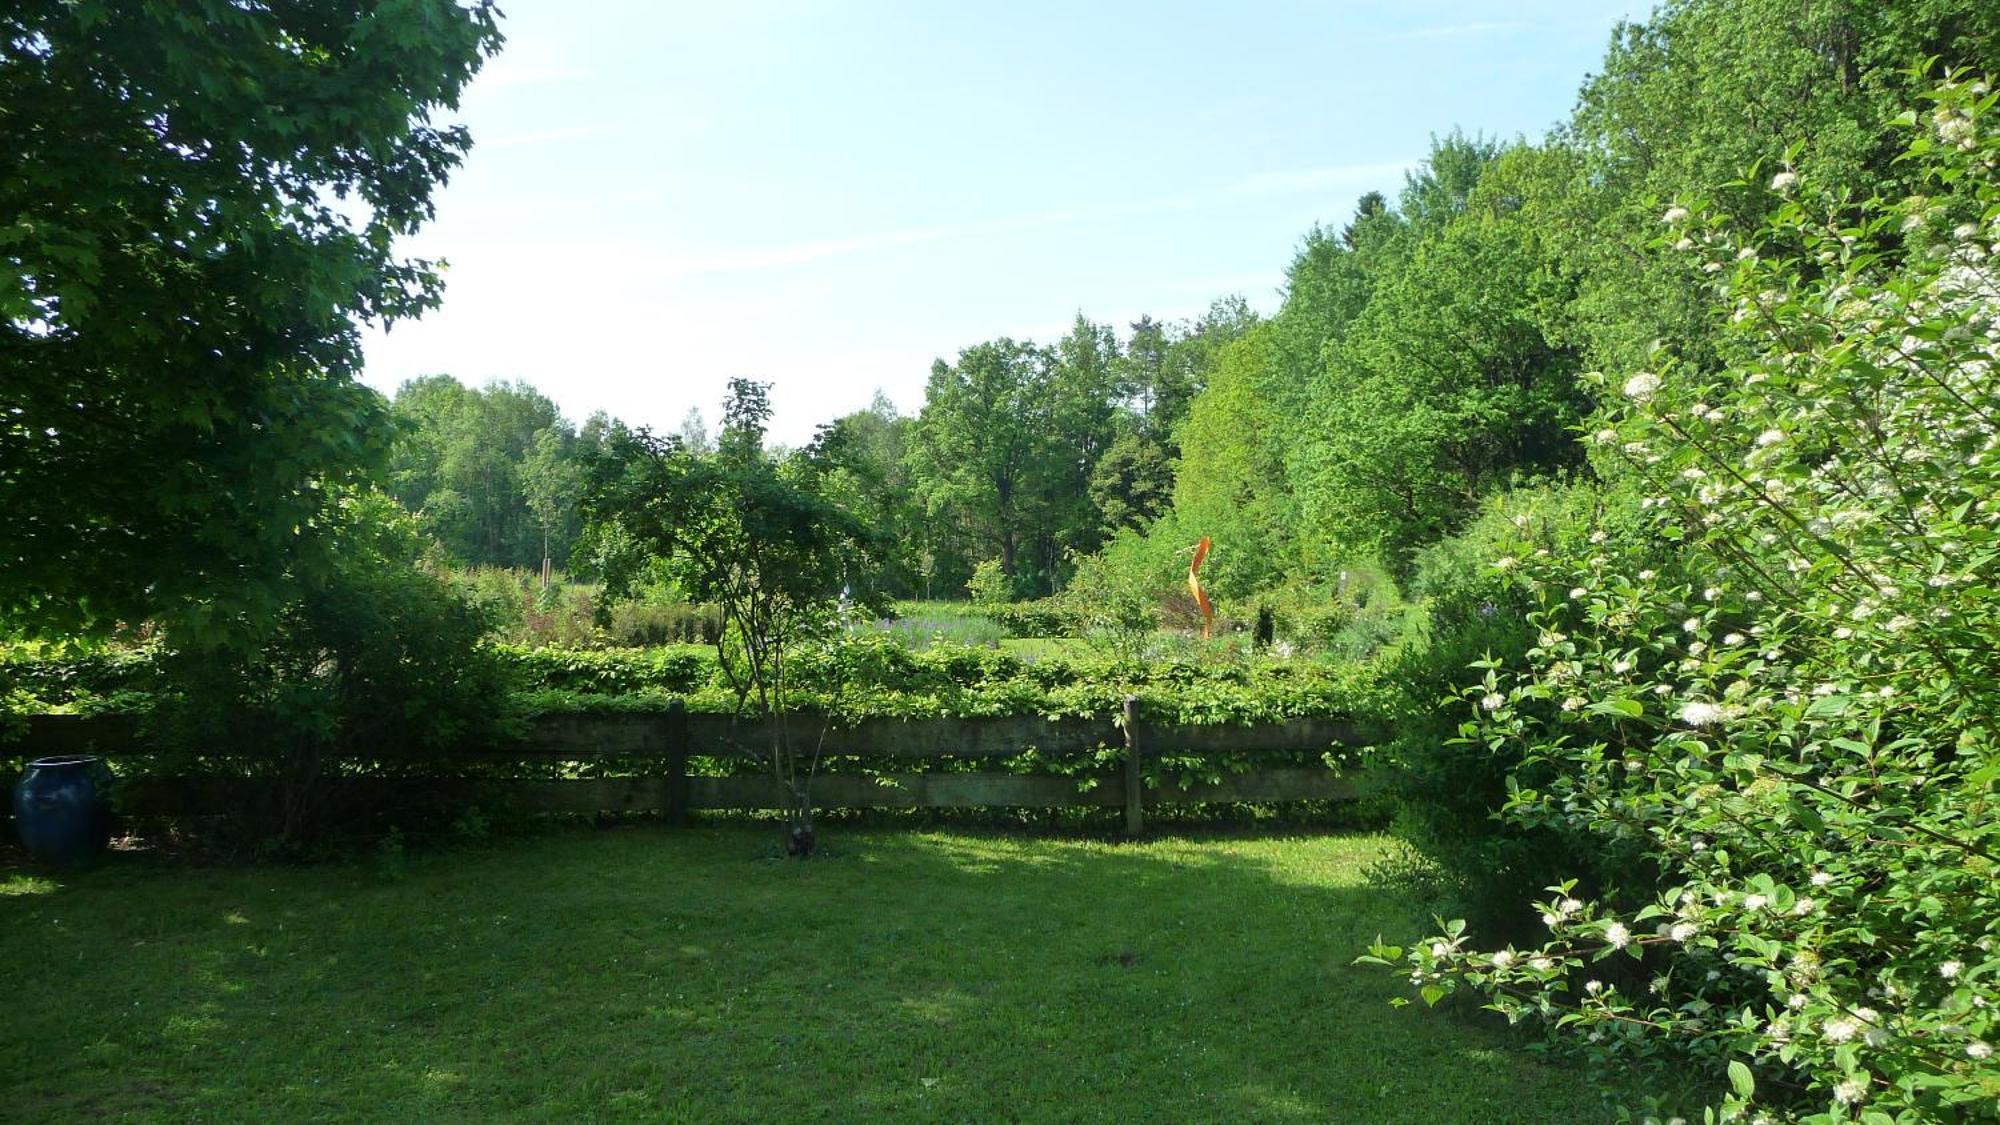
[(1135, 811), (677, 762)]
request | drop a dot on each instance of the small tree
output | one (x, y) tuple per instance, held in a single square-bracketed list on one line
[(989, 585), (754, 535)]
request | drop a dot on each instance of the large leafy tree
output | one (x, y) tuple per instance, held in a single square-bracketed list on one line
[(1234, 484), (980, 447), (198, 206), (861, 459), (1447, 385), (1705, 90), (492, 473), (1159, 374)]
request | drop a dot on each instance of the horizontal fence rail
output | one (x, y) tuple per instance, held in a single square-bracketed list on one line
[(659, 745)]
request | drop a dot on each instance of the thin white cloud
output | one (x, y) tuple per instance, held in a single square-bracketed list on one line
[(799, 253), (1454, 31), (508, 72), (1299, 181), (1262, 185), (542, 136)]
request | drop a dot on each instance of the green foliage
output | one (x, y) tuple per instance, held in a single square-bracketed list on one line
[(1034, 454), (568, 614), (1355, 615), (494, 474), (1044, 617), (871, 675), (863, 469), (921, 625), (1132, 482), (757, 538), (375, 665), (1232, 485), (989, 584), (181, 295), (38, 679), (1798, 728), (990, 459), (1108, 605), (607, 671), (1702, 90), (641, 624), (1445, 792), (1445, 386)]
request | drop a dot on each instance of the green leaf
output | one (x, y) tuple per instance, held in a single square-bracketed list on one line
[(1740, 1079)]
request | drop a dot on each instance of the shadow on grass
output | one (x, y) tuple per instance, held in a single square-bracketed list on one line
[(650, 974)]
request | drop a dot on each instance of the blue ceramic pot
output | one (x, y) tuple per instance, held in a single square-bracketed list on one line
[(61, 809)]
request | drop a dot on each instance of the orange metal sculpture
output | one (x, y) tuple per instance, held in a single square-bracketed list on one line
[(1200, 595)]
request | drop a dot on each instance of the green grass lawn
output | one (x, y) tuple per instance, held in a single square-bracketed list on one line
[(1034, 648), (649, 974)]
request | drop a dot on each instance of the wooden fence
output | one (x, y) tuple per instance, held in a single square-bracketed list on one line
[(657, 746)]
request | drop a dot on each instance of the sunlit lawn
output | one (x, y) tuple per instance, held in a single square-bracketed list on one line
[(644, 973)]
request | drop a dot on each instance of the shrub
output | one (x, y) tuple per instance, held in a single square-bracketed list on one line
[(374, 665), (606, 671), (1801, 728), (989, 585), (1109, 606), (1353, 616), (1043, 617), (643, 624), (1445, 792)]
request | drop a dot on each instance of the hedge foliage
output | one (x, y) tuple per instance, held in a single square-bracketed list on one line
[(859, 677)]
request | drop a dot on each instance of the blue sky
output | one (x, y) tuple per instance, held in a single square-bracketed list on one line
[(830, 195)]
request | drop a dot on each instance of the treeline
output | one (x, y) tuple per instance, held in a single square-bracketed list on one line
[(1032, 455)]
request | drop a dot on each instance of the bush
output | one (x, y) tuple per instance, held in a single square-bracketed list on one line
[(1446, 793), (521, 610), (1800, 726), (1354, 616), (1043, 617), (1109, 606), (606, 671), (644, 624), (374, 666), (989, 585)]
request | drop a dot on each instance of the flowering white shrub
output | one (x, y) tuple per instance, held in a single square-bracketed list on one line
[(1799, 724)]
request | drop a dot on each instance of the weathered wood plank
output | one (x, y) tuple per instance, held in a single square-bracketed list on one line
[(1314, 733), (1300, 784), (597, 736), (677, 763), (907, 791), (588, 795), (198, 796)]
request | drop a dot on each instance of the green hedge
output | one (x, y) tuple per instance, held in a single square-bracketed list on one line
[(850, 679), (874, 677)]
